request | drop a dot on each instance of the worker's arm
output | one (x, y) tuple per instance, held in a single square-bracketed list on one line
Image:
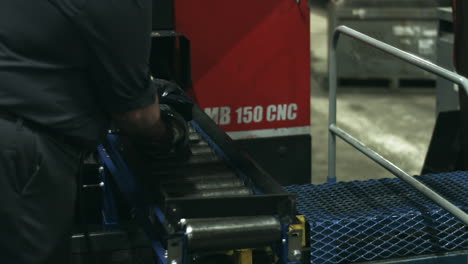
[(118, 34)]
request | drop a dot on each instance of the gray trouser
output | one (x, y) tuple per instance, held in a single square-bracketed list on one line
[(37, 195)]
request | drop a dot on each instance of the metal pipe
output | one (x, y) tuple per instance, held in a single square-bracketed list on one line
[(332, 86), (232, 232), (334, 130), (402, 55), (429, 193)]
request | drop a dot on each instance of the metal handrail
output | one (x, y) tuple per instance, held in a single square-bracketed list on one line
[(334, 130)]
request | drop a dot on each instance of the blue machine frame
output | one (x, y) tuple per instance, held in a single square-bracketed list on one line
[(116, 170)]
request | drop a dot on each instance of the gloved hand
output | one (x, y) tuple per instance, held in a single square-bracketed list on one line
[(176, 111), (176, 142), (171, 94), (177, 128)]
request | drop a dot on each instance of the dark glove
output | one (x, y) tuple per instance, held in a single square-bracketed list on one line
[(171, 94), (177, 128), (176, 144)]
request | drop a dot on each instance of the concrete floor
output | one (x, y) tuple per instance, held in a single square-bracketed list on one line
[(396, 123)]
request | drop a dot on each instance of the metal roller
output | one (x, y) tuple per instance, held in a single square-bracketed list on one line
[(227, 192), (201, 149), (194, 160), (232, 232), (192, 170), (203, 158), (193, 136), (203, 184), (222, 176)]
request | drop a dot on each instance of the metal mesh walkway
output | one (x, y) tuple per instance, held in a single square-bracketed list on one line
[(379, 219)]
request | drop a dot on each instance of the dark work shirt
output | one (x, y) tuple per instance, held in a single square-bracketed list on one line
[(68, 64)]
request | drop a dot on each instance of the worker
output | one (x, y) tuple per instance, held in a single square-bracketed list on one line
[(68, 68)]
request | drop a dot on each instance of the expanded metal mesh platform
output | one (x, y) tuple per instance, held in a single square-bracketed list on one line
[(381, 219)]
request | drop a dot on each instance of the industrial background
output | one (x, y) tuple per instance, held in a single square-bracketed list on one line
[(281, 171)]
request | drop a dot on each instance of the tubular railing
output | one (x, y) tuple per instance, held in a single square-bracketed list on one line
[(334, 130)]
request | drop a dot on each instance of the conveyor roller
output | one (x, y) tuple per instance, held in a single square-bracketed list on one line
[(232, 232)]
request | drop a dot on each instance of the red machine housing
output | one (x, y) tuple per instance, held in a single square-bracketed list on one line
[(251, 74)]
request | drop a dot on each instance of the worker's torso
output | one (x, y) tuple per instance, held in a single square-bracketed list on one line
[(45, 74)]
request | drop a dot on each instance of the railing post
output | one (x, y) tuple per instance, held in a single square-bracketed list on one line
[(332, 87)]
